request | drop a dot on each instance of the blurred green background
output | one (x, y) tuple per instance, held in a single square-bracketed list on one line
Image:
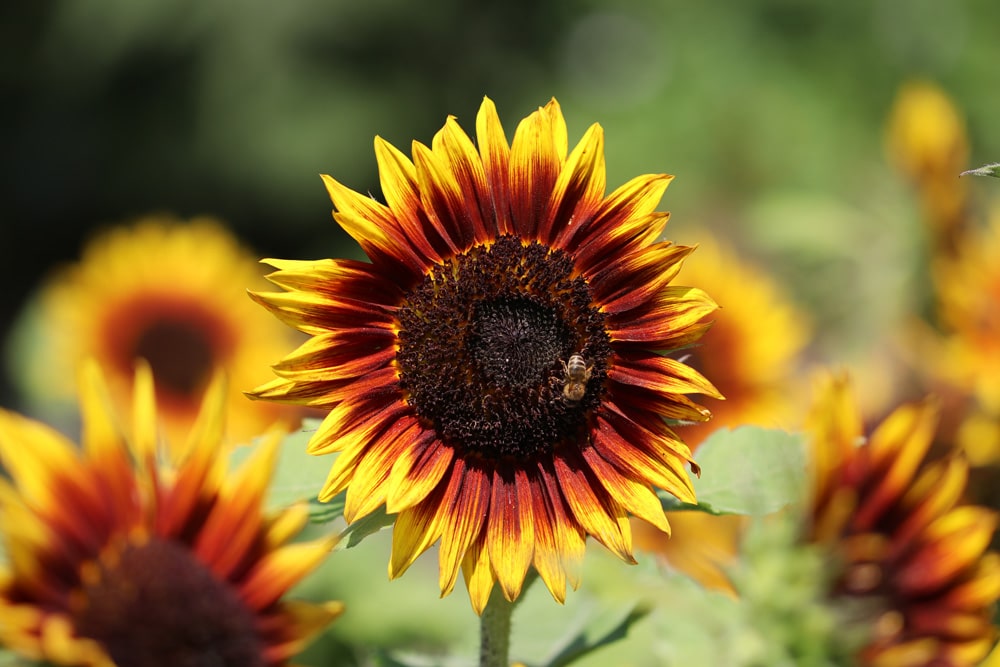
[(770, 113)]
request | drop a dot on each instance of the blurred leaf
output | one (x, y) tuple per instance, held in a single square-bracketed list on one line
[(596, 634), (11, 659), (749, 470), (986, 170), (399, 659), (298, 476), (320, 512), (671, 504), (364, 527)]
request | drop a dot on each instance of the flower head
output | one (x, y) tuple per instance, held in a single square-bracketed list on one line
[(902, 545), (494, 375), (118, 556), (169, 292)]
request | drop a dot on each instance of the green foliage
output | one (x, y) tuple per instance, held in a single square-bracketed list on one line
[(749, 470), (599, 631), (986, 170)]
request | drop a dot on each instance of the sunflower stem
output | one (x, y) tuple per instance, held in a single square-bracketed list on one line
[(494, 625), (494, 631)]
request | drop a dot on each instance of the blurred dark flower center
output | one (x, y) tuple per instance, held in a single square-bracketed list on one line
[(156, 605), (180, 354), (482, 341)]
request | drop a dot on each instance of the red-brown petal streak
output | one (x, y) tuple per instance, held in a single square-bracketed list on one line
[(402, 193), (443, 201), (464, 513), (636, 199), (368, 488), (632, 237), (534, 167), (659, 373), (389, 249), (644, 455), (417, 471), (666, 405), (336, 278), (495, 153), (634, 495), (569, 535), (510, 529), (648, 271), (455, 148), (895, 451), (938, 488), (335, 356), (579, 189), (955, 541), (594, 510)]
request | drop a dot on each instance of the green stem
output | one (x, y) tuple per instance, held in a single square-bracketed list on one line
[(494, 631)]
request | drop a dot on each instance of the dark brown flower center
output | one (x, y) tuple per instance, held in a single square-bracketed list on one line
[(157, 605), (179, 353), (483, 340)]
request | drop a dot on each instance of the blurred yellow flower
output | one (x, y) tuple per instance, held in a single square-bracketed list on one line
[(753, 350), (926, 140), (173, 293), (123, 552)]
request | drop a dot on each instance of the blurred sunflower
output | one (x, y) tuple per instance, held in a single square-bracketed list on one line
[(907, 559), (172, 293), (752, 357), (927, 141), (117, 556), (494, 374), (754, 350)]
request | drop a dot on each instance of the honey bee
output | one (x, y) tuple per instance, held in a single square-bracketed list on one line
[(577, 374)]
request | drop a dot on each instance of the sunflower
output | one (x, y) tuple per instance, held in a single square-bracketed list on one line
[(171, 292), (903, 548), (120, 553), (494, 374)]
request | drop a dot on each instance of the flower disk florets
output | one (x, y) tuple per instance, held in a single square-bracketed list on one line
[(482, 341)]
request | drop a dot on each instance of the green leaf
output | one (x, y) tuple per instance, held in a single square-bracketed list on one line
[(606, 628), (329, 511), (986, 170), (671, 504), (365, 526), (749, 470), (298, 476)]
